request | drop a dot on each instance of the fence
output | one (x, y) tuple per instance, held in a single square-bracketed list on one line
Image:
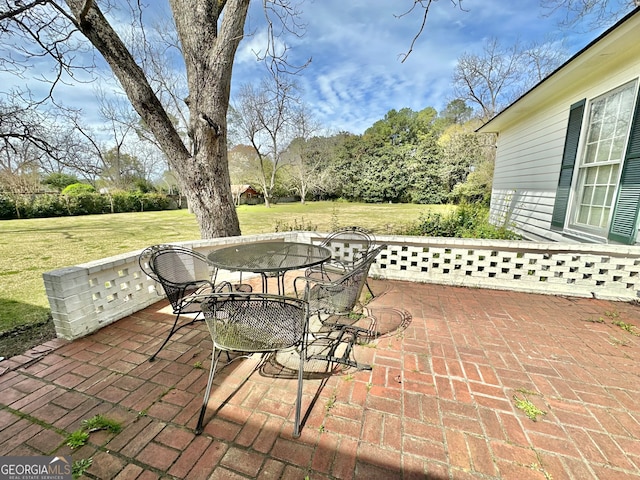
[(86, 297)]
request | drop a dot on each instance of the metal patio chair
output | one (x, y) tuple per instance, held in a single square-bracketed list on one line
[(255, 323), (348, 245), (334, 304), (184, 275)]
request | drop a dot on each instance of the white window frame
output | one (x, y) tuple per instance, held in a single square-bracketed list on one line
[(578, 191)]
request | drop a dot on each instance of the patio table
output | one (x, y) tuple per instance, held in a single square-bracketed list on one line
[(269, 259)]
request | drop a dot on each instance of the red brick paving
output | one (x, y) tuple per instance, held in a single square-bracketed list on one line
[(438, 403)]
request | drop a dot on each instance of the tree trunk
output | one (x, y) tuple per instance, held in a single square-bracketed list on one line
[(208, 53)]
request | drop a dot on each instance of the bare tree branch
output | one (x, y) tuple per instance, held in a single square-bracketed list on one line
[(425, 5), (596, 13)]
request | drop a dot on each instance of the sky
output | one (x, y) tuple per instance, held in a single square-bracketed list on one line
[(356, 75)]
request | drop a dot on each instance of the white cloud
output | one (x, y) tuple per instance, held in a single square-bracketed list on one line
[(356, 75)]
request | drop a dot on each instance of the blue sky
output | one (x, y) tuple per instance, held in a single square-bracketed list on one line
[(356, 75)]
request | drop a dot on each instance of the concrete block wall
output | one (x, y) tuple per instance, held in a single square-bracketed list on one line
[(599, 271), (84, 298)]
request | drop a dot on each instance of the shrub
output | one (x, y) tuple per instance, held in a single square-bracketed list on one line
[(122, 201), (78, 189), (79, 200), (43, 206), (466, 221), (86, 204), (156, 201), (7, 208)]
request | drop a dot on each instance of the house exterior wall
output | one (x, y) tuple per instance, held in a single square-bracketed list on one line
[(531, 137)]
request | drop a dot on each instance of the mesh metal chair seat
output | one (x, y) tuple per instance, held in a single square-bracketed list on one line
[(255, 323), (184, 276)]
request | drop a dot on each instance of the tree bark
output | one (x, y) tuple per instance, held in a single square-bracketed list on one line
[(208, 54)]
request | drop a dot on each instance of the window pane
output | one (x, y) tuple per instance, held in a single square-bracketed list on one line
[(587, 196), (594, 133), (583, 215), (595, 216), (590, 155), (608, 127), (616, 150), (599, 195), (603, 175), (604, 151)]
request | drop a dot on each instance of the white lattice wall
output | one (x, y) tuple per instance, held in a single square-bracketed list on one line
[(602, 271), (86, 297)]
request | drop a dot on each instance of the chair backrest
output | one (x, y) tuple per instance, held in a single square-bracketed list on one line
[(349, 244), (144, 260), (179, 270), (340, 296), (255, 322)]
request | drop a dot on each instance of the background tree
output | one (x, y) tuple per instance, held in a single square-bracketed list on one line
[(598, 13), (243, 163), (209, 33), (305, 155), (462, 152), (267, 118), (491, 80)]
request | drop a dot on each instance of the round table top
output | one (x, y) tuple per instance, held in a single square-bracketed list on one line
[(262, 257)]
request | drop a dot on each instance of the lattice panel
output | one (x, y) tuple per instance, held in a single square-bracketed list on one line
[(478, 266), (85, 297), (115, 290)]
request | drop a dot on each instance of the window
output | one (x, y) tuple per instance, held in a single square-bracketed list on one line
[(599, 185), (608, 124)]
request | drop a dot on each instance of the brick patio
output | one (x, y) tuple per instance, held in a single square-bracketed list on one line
[(438, 404)]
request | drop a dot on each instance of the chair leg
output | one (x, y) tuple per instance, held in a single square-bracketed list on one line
[(296, 425), (369, 288), (171, 332), (207, 393)]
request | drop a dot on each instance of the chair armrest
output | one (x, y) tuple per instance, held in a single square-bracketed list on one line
[(223, 287), (325, 270)]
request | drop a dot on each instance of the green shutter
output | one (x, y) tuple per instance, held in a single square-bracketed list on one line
[(568, 161), (625, 214)]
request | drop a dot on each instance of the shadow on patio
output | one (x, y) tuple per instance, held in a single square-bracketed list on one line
[(454, 375)]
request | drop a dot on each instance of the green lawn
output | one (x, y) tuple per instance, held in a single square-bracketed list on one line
[(30, 247)]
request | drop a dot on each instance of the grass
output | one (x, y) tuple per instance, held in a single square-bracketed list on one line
[(30, 247), (528, 408)]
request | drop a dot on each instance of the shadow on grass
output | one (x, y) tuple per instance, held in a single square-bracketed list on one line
[(29, 326)]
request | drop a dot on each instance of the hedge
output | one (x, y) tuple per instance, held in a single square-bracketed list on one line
[(51, 205)]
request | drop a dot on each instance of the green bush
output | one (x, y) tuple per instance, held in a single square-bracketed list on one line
[(466, 221), (60, 181), (80, 203), (122, 201), (156, 202), (78, 189), (43, 206), (86, 204), (7, 208)]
